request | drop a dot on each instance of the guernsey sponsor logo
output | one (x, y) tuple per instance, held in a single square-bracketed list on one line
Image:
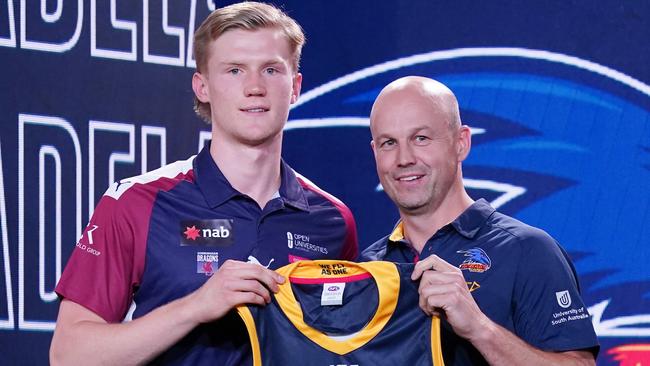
[(302, 242), (289, 240), (86, 241), (563, 298), (569, 316), (207, 262), (252, 259), (218, 232)]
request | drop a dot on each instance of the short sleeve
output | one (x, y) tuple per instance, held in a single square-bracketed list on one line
[(549, 312), (100, 272)]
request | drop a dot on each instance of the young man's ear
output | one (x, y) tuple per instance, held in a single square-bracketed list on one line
[(200, 87), (297, 84)]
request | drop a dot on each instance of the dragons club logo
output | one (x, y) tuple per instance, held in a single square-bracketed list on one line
[(559, 142)]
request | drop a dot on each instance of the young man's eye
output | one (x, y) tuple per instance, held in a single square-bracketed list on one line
[(234, 71), (271, 70)]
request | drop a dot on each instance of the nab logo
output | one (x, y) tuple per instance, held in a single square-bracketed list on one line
[(217, 232), (333, 288), (221, 232), (563, 298)]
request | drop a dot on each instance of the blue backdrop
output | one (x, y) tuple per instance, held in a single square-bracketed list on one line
[(557, 94)]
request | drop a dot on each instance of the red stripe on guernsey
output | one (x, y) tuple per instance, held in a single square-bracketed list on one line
[(120, 227), (295, 258), (317, 281), (350, 248)]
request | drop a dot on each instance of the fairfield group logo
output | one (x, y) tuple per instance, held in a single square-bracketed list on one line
[(89, 241), (218, 232)]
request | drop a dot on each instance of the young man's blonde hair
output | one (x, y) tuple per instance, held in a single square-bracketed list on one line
[(247, 16)]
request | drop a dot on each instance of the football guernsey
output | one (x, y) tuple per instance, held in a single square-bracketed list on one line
[(343, 313), (518, 275), (157, 237)]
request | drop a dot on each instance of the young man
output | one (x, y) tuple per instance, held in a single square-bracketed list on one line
[(173, 244), (497, 282)]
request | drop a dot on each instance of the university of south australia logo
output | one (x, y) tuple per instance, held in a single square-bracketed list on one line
[(563, 298)]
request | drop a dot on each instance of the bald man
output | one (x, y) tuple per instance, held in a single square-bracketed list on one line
[(507, 291)]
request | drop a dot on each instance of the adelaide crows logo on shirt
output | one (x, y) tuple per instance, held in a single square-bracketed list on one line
[(477, 260), (218, 232)]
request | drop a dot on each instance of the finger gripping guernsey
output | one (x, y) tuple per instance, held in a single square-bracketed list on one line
[(332, 312)]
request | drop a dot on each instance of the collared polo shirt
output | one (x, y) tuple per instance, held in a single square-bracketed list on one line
[(157, 237), (519, 276)]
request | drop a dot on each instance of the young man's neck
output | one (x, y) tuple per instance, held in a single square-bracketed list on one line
[(251, 170), (420, 227)]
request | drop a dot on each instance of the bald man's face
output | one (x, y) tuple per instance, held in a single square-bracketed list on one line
[(416, 152)]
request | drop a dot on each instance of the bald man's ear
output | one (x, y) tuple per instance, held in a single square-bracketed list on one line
[(372, 146), (464, 142)]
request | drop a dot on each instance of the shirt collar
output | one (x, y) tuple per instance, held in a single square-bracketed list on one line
[(291, 191), (216, 189), (398, 232), (472, 219), (467, 224)]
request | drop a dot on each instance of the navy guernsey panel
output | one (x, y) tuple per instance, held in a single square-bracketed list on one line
[(342, 313)]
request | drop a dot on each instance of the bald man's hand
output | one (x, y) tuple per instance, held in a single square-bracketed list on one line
[(443, 290)]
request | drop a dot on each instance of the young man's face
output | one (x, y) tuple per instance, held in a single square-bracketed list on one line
[(250, 83)]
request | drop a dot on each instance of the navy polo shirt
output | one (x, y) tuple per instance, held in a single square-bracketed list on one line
[(157, 237), (519, 276)]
